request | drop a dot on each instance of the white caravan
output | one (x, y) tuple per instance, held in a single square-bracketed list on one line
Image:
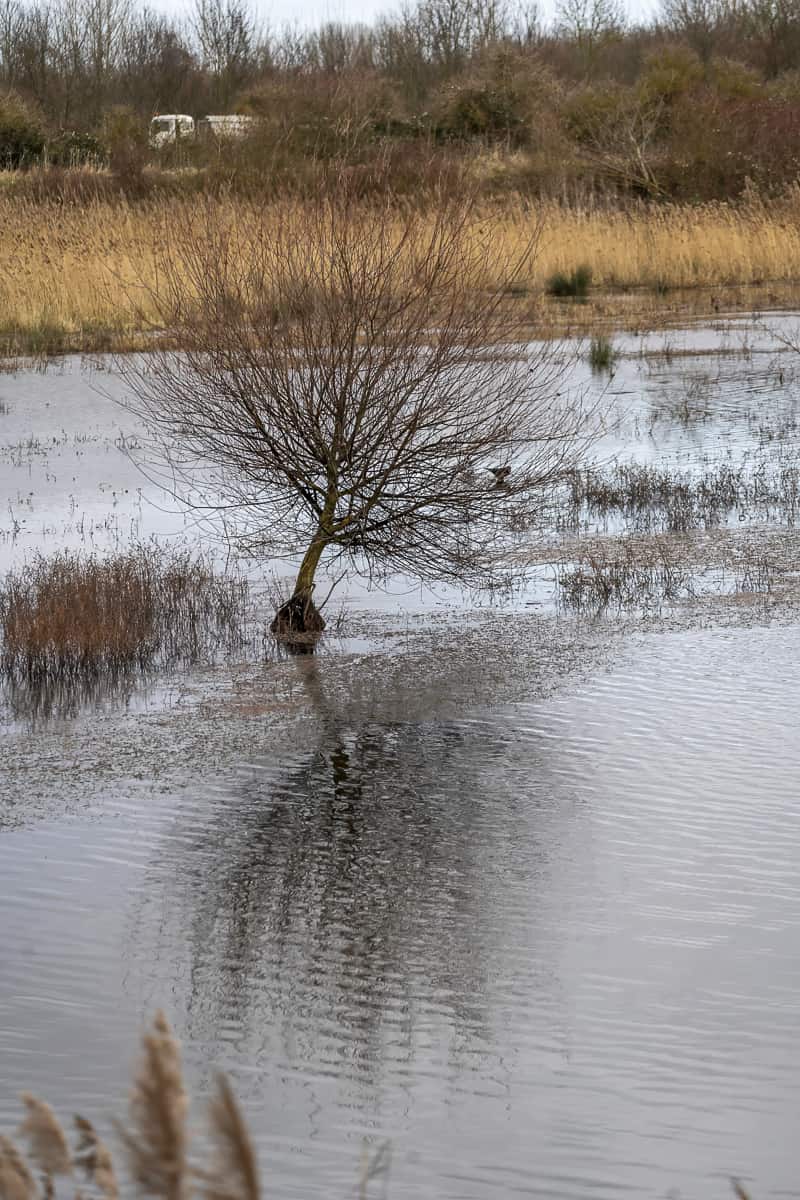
[(222, 128), (168, 128)]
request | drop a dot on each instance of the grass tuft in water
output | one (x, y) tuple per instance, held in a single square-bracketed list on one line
[(651, 498), (601, 353), (73, 618)]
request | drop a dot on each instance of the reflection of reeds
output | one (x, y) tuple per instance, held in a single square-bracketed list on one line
[(73, 618)]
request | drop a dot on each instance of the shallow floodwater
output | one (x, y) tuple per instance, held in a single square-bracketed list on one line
[(548, 947)]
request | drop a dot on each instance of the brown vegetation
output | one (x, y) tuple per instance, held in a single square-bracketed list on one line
[(70, 618), (155, 1140), (70, 274)]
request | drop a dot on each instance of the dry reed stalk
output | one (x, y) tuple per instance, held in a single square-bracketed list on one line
[(157, 1145), (75, 617), (48, 1148)]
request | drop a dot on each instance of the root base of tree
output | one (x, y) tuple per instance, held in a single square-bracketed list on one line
[(298, 623)]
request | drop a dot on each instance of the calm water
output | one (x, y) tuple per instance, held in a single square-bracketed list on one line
[(549, 948)]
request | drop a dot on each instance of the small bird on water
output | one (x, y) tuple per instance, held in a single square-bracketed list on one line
[(501, 474)]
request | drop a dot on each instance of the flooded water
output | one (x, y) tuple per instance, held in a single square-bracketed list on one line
[(511, 894)]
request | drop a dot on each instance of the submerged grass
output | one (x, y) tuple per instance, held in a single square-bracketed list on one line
[(601, 353), (73, 618), (649, 497), (648, 572), (572, 285)]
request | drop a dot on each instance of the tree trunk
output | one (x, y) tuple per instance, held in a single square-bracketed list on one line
[(299, 622)]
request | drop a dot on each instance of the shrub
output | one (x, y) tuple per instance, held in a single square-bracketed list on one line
[(481, 110), (670, 73), (125, 135), (71, 148), (21, 133), (574, 286)]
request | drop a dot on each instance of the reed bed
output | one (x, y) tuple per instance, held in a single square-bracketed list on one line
[(69, 618), (78, 275)]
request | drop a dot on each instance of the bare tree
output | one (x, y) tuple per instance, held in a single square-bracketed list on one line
[(696, 21), (361, 384), (229, 40), (624, 145), (588, 23)]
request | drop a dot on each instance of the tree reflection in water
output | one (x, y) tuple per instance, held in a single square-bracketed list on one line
[(346, 906)]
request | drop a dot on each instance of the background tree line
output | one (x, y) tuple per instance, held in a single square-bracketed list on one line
[(702, 101)]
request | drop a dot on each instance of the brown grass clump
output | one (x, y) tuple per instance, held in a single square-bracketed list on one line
[(72, 618)]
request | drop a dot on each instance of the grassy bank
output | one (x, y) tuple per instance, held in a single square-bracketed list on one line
[(76, 276)]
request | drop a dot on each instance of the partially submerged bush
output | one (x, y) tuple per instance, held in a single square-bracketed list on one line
[(574, 285), (71, 617)]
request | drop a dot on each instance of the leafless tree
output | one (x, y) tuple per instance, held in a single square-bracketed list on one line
[(360, 382), (695, 21), (588, 23), (624, 147), (229, 39)]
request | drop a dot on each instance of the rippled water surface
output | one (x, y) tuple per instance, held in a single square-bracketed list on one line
[(548, 947)]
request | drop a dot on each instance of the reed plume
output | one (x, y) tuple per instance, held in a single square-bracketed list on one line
[(48, 1147), (155, 1140), (157, 1144), (16, 1180)]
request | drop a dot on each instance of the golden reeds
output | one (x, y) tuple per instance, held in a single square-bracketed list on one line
[(77, 275), (157, 1143)]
